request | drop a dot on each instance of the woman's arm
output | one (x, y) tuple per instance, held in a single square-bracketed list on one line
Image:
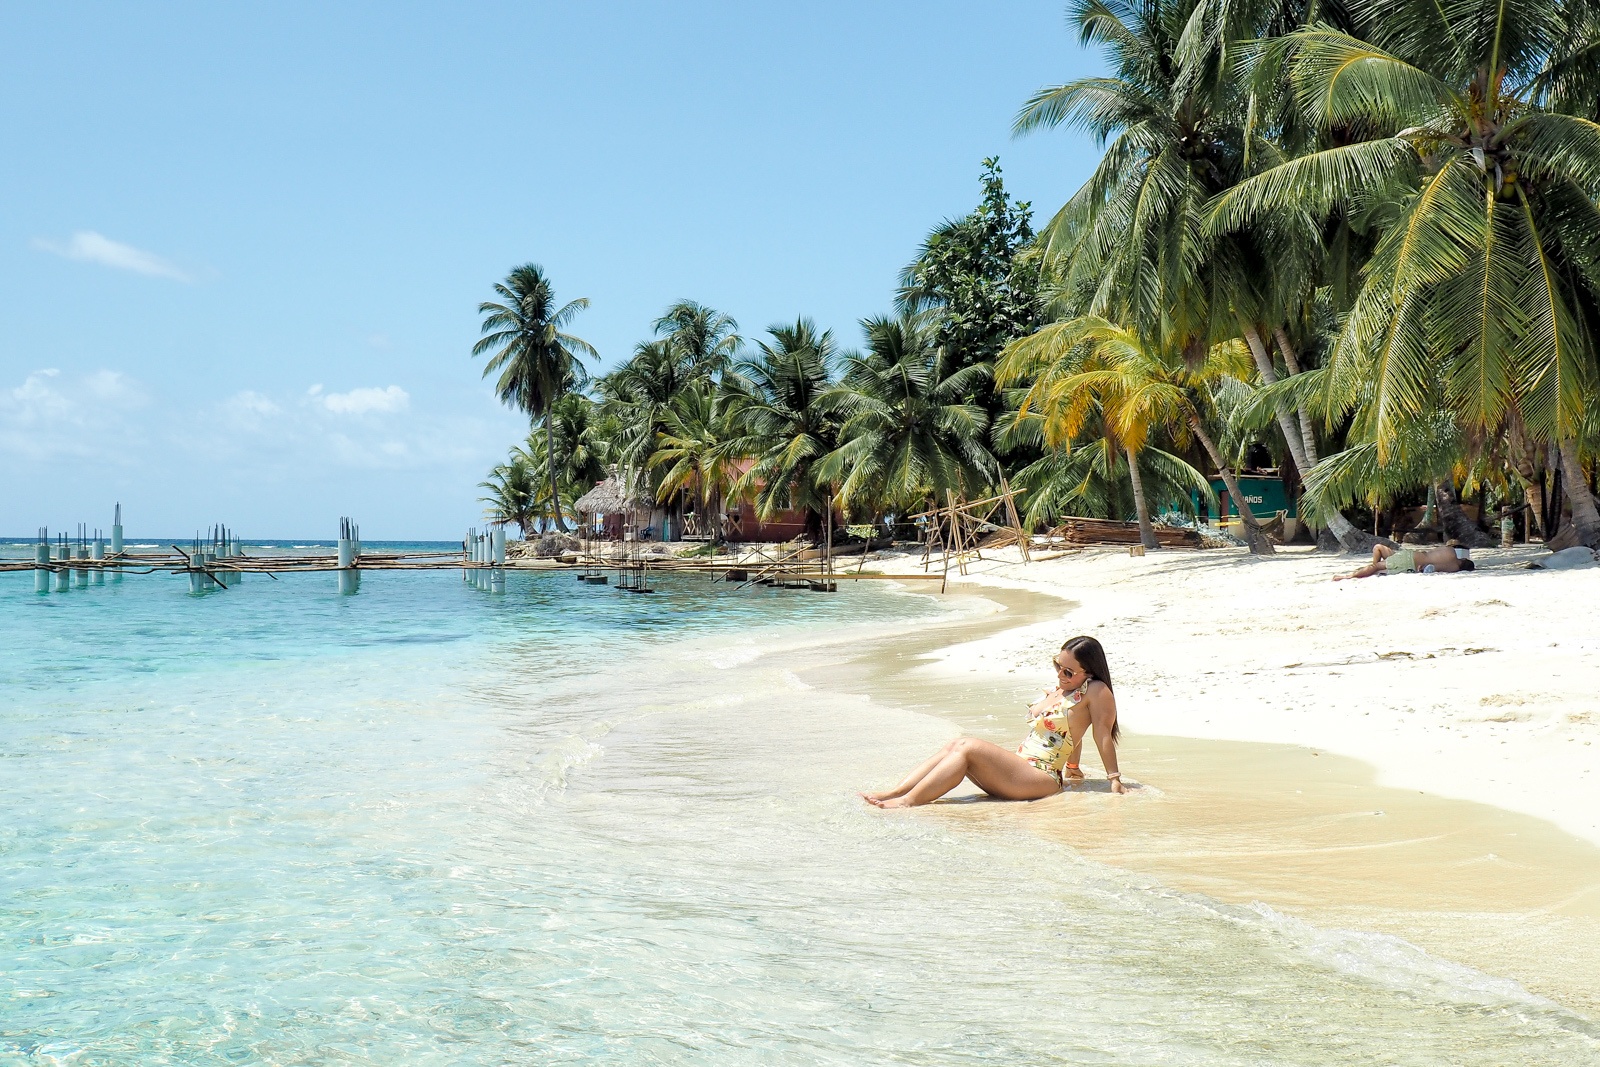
[(1103, 716)]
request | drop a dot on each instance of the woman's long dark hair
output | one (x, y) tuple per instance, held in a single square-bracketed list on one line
[(1092, 658)]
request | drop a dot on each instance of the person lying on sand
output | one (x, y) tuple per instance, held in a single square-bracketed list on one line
[(1081, 700), (1386, 560)]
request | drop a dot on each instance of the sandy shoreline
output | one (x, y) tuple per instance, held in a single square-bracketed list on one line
[(1423, 834), (1478, 686)]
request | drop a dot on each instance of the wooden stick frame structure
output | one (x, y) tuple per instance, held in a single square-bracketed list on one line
[(958, 531)]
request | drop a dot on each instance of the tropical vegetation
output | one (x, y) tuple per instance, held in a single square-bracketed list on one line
[(1358, 244)]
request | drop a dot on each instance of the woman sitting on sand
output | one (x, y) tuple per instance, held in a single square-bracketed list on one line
[(1056, 724)]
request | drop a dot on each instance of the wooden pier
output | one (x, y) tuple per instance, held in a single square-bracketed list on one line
[(218, 561)]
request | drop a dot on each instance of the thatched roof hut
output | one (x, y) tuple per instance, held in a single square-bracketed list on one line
[(609, 498)]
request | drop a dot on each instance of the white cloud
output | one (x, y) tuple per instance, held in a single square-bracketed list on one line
[(114, 387), (49, 415), (250, 402), (368, 400), (86, 246)]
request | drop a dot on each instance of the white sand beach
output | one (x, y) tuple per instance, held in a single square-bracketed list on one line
[(1481, 686), (1410, 755)]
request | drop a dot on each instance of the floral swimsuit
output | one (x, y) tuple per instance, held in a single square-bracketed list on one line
[(1049, 740)]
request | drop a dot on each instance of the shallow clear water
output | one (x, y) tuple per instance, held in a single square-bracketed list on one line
[(432, 825)]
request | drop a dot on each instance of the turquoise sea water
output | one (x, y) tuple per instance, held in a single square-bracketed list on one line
[(429, 824)]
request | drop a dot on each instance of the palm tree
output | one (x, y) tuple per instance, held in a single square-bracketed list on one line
[(538, 362), (1483, 293), (1130, 246), (704, 340), (1090, 369), (1091, 477), (693, 346), (692, 450), (582, 454), (779, 399), (513, 489), (908, 434)]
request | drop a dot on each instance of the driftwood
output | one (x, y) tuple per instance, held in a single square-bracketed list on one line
[(1080, 531)]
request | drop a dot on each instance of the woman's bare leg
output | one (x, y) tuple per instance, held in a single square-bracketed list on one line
[(909, 781), (997, 771)]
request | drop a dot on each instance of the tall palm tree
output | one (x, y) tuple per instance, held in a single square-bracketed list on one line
[(1090, 369), (1131, 246), (908, 433), (704, 340), (779, 399), (1483, 293), (537, 361)]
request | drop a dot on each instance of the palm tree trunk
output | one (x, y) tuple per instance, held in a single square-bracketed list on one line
[(1350, 538), (1253, 536), (1520, 457), (1308, 437), (550, 462), (1585, 516), (1147, 532), (1455, 522)]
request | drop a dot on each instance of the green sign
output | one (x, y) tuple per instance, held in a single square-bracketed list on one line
[(1265, 496)]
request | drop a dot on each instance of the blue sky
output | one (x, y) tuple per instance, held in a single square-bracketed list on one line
[(243, 245)]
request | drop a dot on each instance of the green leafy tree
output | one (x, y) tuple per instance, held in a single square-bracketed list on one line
[(1131, 245), (907, 432), (973, 273), (536, 360), (694, 344)]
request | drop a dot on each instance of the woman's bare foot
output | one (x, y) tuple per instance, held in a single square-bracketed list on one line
[(879, 798), (893, 802)]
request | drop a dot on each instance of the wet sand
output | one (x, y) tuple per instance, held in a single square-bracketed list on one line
[(1307, 833)]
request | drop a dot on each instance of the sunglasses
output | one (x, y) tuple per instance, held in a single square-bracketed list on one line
[(1068, 671)]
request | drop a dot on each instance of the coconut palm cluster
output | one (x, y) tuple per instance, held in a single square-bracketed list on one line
[(1357, 242)]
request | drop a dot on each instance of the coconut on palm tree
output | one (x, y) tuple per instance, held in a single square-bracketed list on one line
[(537, 361)]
